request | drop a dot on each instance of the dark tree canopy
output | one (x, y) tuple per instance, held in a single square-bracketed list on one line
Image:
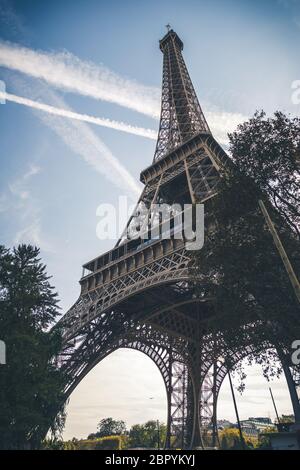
[(30, 383), (268, 151), (148, 435), (239, 262), (110, 427)]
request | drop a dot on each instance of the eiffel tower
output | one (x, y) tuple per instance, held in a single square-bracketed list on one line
[(140, 295)]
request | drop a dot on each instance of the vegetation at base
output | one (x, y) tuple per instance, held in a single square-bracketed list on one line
[(230, 440), (107, 442), (146, 435), (109, 427), (140, 435), (30, 382), (101, 443)]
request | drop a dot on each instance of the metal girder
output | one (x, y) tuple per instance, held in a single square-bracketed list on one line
[(177, 428), (214, 376), (168, 268), (142, 296), (181, 114)]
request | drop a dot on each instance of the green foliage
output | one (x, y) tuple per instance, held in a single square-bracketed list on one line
[(112, 442), (287, 419), (140, 435), (53, 444), (107, 442), (263, 439), (230, 440), (109, 427), (71, 445), (57, 444), (267, 151), (239, 265), (146, 435), (30, 382)]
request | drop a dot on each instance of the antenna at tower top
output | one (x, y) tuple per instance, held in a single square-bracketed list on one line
[(181, 114)]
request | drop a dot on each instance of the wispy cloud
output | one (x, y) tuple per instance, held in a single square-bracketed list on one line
[(19, 186), (32, 234), (222, 123), (19, 199), (104, 122), (66, 71), (3, 203), (78, 136)]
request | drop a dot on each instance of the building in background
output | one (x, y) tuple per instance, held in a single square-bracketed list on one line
[(224, 424), (254, 426)]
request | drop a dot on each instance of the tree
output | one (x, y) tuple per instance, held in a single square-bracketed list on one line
[(230, 439), (110, 427), (71, 444), (148, 434), (53, 444), (287, 419), (239, 264), (267, 150), (30, 383)]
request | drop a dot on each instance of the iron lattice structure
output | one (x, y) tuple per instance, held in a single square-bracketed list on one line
[(140, 294), (181, 114)]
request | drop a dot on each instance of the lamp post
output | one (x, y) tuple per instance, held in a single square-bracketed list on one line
[(275, 407), (236, 413)]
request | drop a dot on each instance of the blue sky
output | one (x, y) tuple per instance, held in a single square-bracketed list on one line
[(241, 55)]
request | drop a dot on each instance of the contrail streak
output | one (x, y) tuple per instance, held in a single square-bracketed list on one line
[(117, 125), (68, 72)]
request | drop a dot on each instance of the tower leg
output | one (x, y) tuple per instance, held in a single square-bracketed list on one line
[(177, 406), (194, 418), (169, 401), (169, 404), (291, 384), (208, 409), (293, 391), (215, 437)]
